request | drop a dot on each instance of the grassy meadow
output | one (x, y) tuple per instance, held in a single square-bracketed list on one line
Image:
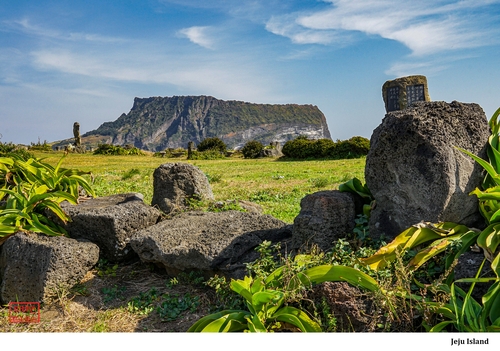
[(278, 186)]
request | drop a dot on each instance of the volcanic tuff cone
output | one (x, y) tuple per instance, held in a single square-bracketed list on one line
[(157, 123)]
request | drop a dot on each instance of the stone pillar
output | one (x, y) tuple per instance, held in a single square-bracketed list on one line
[(190, 149), (76, 133), (400, 93)]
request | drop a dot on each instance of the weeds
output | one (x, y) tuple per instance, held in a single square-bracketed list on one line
[(172, 306)]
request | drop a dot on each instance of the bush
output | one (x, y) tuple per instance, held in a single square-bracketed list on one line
[(108, 149), (353, 148), (252, 149), (303, 148), (9, 149), (212, 144)]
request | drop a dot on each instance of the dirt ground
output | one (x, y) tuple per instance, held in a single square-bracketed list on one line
[(104, 301)]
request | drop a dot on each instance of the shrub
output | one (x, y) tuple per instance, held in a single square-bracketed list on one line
[(212, 144), (303, 148), (8, 149), (298, 148), (353, 148), (108, 149), (252, 149)]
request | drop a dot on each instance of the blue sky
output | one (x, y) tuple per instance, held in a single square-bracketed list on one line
[(66, 61)]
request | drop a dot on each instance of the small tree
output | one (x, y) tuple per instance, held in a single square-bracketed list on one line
[(212, 144), (252, 149)]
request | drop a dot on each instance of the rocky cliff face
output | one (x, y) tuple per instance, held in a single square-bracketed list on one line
[(157, 123)]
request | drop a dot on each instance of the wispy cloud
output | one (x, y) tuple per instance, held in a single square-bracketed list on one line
[(198, 35), (425, 26), (26, 26)]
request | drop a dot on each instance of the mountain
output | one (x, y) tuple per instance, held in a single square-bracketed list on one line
[(157, 123)]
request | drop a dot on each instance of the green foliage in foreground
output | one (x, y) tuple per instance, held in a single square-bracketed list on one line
[(266, 299), (30, 188)]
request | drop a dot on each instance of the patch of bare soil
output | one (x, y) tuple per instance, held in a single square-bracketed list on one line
[(130, 298)]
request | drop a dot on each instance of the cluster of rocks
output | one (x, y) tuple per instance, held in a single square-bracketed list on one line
[(118, 228), (413, 170)]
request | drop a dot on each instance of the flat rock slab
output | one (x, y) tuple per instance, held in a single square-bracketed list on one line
[(34, 267), (110, 222), (208, 241)]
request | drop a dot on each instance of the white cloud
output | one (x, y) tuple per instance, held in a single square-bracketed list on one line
[(198, 35), (223, 76), (26, 26), (425, 26)]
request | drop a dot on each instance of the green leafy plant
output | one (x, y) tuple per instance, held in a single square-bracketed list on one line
[(174, 305), (113, 293), (355, 186), (143, 304), (104, 268), (30, 188), (266, 299)]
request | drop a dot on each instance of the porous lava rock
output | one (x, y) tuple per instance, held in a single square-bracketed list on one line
[(35, 267), (110, 222), (175, 183), (415, 171), (212, 242), (324, 217)]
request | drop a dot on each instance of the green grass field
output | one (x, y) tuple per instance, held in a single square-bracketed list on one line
[(278, 186)]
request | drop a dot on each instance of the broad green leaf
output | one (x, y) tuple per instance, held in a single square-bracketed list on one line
[(204, 321), (298, 318), (487, 166), (440, 326), (333, 273)]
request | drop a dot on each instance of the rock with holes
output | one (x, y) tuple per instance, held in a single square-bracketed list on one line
[(175, 183), (416, 173), (212, 242), (324, 217), (35, 267), (110, 222)]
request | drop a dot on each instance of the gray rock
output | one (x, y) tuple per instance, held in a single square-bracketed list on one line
[(174, 183), (414, 171), (211, 242), (324, 217), (34, 267), (110, 221)]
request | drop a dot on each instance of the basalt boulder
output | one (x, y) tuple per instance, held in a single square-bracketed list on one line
[(211, 242), (415, 171), (325, 217), (35, 267), (175, 183), (110, 222)]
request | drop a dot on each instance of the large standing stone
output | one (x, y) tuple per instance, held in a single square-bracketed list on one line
[(34, 267), (324, 217), (208, 241), (414, 171), (174, 183), (110, 222)]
